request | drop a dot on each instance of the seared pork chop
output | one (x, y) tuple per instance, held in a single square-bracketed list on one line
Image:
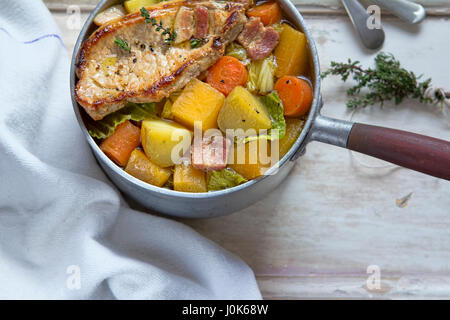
[(147, 68)]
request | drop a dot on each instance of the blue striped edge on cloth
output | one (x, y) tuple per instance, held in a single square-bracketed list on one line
[(45, 36)]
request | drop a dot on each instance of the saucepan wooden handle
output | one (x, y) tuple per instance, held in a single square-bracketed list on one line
[(406, 149), (414, 151)]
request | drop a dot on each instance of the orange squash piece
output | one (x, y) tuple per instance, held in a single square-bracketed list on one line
[(248, 162), (188, 179), (140, 167), (291, 53), (294, 127), (198, 102)]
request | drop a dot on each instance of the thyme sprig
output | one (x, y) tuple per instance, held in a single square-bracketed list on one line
[(170, 34), (195, 43), (122, 44), (388, 81)]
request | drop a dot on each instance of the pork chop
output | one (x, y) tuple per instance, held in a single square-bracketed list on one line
[(129, 60)]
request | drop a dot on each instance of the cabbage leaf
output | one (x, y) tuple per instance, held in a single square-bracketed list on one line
[(102, 129), (237, 51), (224, 179), (261, 74), (275, 108)]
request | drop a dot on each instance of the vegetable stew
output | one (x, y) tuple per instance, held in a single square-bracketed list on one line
[(232, 110)]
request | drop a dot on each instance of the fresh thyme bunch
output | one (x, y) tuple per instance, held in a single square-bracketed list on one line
[(388, 81)]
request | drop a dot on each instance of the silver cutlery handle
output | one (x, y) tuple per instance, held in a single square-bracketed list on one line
[(371, 38), (406, 10)]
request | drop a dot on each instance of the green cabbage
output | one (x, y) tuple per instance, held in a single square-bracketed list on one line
[(275, 108), (167, 109), (237, 51), (261, 74), (132, 111), (169, 183), (224, 179)]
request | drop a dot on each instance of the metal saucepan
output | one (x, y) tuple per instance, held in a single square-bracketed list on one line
[(417, 152)]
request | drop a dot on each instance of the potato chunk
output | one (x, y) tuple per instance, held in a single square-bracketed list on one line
[(136, 5), (242, 110), (198, 102), (110, 14), (140, 167), (291, 53), (165, 142), (188, 179)]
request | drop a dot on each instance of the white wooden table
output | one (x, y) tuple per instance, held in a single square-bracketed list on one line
[(336, 214)]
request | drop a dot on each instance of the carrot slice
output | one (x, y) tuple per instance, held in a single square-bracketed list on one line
[(121, 143), (296, 95), (226, 74), (269, 13)]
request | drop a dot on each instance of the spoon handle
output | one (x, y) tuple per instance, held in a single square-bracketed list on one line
[(371, 38), (409, 11)]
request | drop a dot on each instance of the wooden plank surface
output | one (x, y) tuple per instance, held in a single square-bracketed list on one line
[(336, 214)]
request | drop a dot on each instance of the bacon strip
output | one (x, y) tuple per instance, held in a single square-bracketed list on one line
[(259, 41), (202, 22), (211, 154)]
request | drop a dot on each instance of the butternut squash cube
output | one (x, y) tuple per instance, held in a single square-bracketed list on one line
[(291, 53), (198, 102), (242, 110), (294, 127), (188, 179), (249, 162), (140, 167), (165, 142)]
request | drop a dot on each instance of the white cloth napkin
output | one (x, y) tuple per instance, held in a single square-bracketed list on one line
[(65, 233)]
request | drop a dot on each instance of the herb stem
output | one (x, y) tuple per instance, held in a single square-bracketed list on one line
[(166, 31), (195, 43), (122, 44)]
